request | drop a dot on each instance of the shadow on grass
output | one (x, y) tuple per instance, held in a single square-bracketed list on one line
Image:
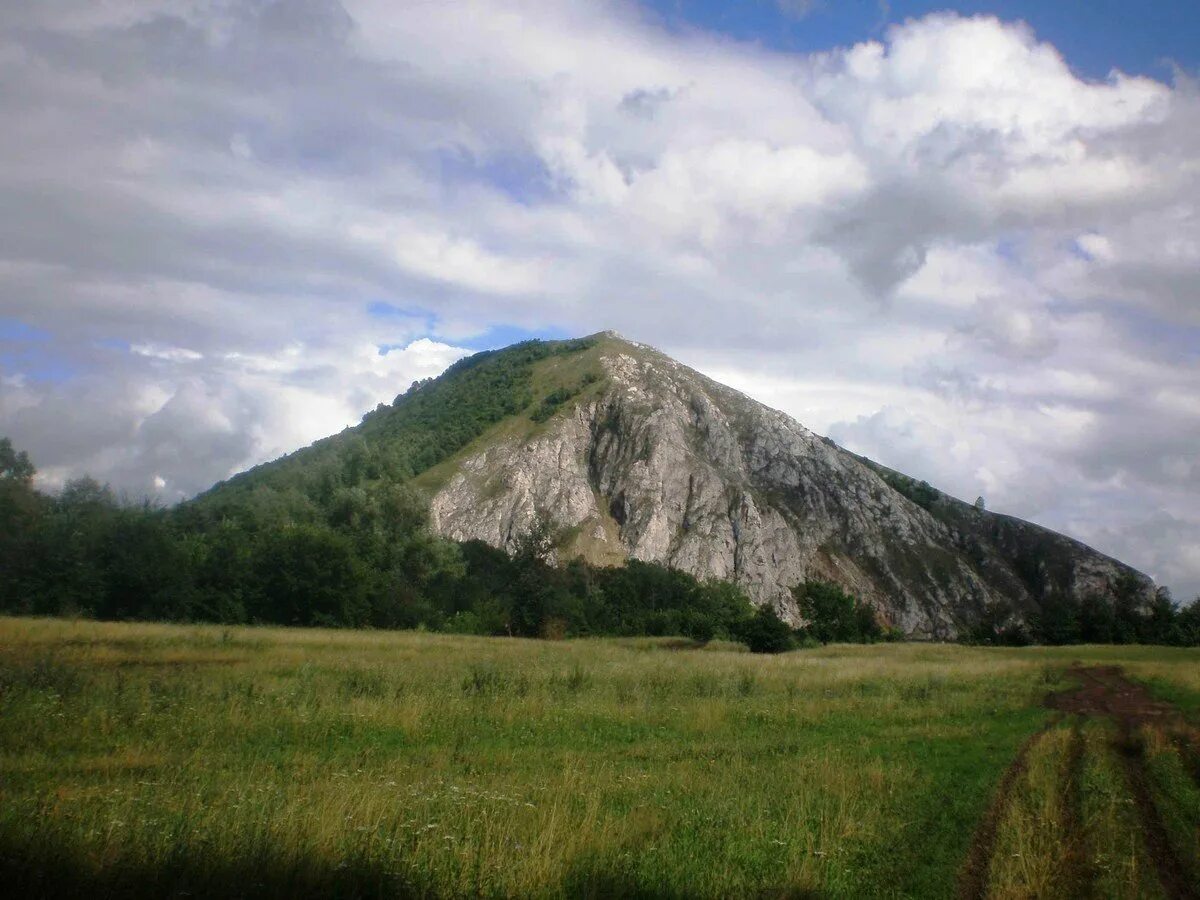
[(55, 874), (63, 874)]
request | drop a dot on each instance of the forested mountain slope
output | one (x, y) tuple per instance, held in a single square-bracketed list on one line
[(631, 455)]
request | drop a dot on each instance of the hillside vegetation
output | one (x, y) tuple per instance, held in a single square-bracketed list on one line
[(84, 553), (338, 534), (423, 426)]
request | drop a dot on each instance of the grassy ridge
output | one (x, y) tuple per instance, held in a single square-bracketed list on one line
[(423, 427), (155, 759)]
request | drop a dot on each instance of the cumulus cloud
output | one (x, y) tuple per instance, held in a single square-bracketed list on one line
[(942, 247), (154, 426)]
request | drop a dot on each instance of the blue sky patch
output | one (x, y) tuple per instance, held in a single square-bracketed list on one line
[(38, 364), (14, 330), (28, 351), (381, 310), (1009, 249), (494, 337), (522, 178), (1094, 36), (504, 335)]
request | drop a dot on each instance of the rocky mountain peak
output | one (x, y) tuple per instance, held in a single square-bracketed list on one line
[(633, 455)]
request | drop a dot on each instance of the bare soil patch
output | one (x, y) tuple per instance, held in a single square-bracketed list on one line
[(1105, 691)]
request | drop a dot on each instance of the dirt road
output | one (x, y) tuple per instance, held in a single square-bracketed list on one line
[(1103, 692)]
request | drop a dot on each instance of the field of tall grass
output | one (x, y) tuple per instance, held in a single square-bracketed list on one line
[(140, 759)]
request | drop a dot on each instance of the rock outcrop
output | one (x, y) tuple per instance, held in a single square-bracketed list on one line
[(657, 462)]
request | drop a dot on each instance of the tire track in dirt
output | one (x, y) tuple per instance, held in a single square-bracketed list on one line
[(1078, 871), (973, 877), (1171, 873), (1105, 692)]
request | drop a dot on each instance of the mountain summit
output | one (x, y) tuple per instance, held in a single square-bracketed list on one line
[(630, 454)]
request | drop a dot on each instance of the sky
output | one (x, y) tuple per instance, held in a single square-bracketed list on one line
[(963, 241)]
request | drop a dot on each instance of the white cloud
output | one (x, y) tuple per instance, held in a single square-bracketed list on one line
[(1008, 329), (172, 431), (942, 246), (463, 262), (170, 354)]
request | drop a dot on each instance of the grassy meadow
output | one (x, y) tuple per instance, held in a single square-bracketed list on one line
[(159, 760)]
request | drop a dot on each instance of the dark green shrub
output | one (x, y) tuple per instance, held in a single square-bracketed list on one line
[(765, 632), (833, 615)]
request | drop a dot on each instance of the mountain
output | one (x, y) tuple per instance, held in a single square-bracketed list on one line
[(631, 454)]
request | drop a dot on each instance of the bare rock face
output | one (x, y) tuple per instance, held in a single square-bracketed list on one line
[(666, 465)]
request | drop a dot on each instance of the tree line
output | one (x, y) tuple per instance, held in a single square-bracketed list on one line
[(360, 554), (1126, 618), (367, 559)]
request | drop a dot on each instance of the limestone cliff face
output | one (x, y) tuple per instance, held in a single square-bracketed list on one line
[(662, 464)]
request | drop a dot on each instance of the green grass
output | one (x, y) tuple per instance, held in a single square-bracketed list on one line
[(1028, 859), (1122, 866), (156, 759), (1176, 795), (580, 373)]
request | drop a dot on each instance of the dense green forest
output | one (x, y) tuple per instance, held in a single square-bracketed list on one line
[(1127, 619), (84, 552), (336, 534)]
